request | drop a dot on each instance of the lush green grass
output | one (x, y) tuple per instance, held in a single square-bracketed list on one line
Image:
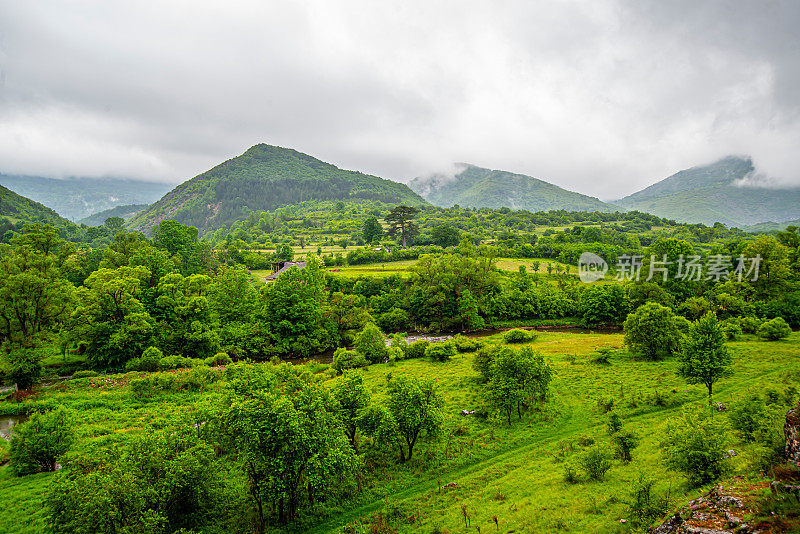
[(514, 473)]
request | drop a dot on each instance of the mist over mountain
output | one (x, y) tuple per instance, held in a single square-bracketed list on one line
[(264, 178), (126, 212), (472, 186), (728, 191), (79, 197)]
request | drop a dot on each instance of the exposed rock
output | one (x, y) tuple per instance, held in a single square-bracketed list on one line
[(792, 432), (720, 406), (709, 514)]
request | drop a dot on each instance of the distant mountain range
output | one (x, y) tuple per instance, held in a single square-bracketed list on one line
[(264, 178), (18, 208), (76, 198), (477, 187), (126, 212), (716, 193)]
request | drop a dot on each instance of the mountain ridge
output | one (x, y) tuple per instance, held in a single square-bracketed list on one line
[(263, 178), (479, 187)]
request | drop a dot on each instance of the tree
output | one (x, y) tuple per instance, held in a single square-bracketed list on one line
[(114, 224), (773, 271), (468, 312), (652, 331), (23, 366), (705, 359), (372, 230), (445, 235), (290, 441), (518, 379), (111, 317), (38, 443), (353, 398), (348, 314), (400, 222), (415, 408), (34, 294), (184, 316), (696, 444), (160, 481), (604, 303), (371, 344)]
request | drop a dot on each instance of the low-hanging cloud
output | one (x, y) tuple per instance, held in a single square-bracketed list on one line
[(604, 97)]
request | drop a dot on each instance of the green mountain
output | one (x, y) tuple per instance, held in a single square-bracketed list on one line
[(126, 212), (476, 187), (76, 198), (20, 209), (770, 226), (715, 193), (262, 179)]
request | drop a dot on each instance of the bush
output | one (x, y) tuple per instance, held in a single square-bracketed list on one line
[(24, 367), (517, 335), (347, 359), (571, 474), (395, 354), (168, 363), (696, 444), (749, 324), (83, 374), (653, 331), (441, 352), (219, 359), (417, 349), (37, 444), (465, 344), (148, 362), (624, 443), (483, 360), (370, 344), (645, 507), (399, 342), (596, 463), (731, 329), (774, 329)]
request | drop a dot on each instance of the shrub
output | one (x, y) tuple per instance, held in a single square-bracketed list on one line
[(441, 352), (395, 354), (465, 344), (596, 463), (571, 474), (37, 444), (696, 444), (347, 359), (168, 363), (219, 359), (417, 349), (774, 329), (645, 507), (483, 360), (86, 373), (148, 362), (614, 423), (731, 329), (749, 324), (517, 335), (399, 342), (601, 356), (624, 443), (370, 344), (141, 388)]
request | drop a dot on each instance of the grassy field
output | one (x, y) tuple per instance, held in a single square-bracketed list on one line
[(512, 473)]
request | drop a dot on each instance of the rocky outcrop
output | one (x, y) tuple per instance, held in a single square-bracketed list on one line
[(792, 432), (716, 512)]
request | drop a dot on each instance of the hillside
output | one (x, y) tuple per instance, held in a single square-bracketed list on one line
[(21, 209), (484, 188), (264, 178), (709, 194), (127, 212), (77, 198)]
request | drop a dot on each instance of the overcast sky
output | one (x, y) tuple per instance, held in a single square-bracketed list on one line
[(604, 97)]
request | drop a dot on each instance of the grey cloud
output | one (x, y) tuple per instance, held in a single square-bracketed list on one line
[(603, 97)]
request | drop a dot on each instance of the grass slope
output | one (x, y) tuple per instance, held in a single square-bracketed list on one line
[(512, 473), (709, 194), (264, 178), (484, 188), (19, 208)]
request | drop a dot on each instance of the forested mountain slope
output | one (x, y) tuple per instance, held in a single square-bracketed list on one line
[(264, 178)]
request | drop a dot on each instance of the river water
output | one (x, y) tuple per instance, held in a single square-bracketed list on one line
[(7, 422)]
